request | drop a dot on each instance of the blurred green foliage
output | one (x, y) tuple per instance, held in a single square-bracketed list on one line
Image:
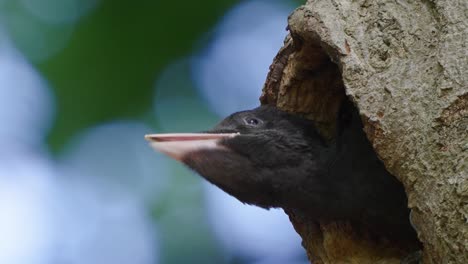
[(107, 70), (109, 67), (112, 56)]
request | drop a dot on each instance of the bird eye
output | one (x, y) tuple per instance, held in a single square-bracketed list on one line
[(252, 121)]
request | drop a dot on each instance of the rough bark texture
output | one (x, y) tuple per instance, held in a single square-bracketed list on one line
[(404, 64)]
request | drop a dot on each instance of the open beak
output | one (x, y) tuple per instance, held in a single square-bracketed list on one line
[(177, 145)]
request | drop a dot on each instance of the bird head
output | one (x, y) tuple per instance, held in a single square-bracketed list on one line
[(270, 158), (260, 156)]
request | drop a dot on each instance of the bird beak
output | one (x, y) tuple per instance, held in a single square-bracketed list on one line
[(177, 145)]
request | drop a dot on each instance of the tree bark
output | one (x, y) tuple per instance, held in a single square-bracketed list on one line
[(404, 65)]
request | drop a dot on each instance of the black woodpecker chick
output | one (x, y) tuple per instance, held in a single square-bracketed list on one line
[(270, 158)]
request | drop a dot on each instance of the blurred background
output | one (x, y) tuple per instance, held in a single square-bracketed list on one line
[(81, 82)]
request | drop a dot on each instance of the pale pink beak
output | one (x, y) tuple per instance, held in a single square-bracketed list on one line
[(177, 145)]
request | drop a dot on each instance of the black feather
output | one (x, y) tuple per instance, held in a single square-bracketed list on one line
[(280, 160)]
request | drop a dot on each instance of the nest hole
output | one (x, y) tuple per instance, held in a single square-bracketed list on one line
[(304, 79)]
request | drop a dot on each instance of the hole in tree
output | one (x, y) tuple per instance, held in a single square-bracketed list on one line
[(303, 79)]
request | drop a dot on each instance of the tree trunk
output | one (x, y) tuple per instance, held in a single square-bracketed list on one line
[(404, 65)]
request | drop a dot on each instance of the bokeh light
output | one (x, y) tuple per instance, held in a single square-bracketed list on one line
[(231, 70), (250, 231), (177, 106), (26, 202), (244, 231), (101, 194), (99, 224), (43, 28), (37, 39), (59, 11), (26, 103), (117, 155)]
